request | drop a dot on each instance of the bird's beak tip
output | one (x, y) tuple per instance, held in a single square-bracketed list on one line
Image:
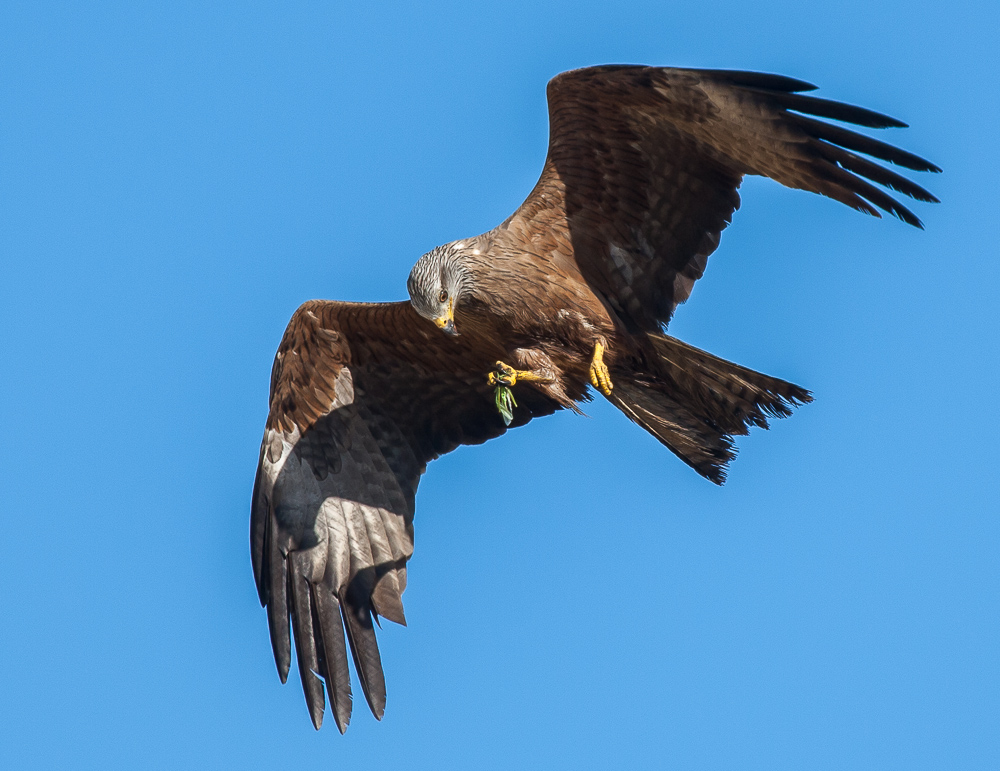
[(447, 326)]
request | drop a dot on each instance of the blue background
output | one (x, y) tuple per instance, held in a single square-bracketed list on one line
[(176, 178)]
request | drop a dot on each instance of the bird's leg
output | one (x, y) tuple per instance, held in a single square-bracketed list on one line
[(506, 375), (537, 369), (600, 378)]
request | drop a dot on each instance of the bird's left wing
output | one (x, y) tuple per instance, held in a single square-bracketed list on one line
[(362, 397)]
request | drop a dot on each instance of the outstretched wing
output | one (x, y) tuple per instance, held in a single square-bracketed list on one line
[(644, 164), (362, 397)]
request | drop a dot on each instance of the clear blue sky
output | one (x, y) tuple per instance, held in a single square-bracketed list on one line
[(176, 178)]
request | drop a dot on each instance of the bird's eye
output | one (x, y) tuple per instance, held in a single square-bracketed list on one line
[(443, 297)]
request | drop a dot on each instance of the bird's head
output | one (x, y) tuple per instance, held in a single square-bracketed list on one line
[(437, 284)]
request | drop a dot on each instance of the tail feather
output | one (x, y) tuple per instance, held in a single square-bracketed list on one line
[(695, 403)]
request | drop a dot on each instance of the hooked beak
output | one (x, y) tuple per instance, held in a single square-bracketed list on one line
[(447, 324)]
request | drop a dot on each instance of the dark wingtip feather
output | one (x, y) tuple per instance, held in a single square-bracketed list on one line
[(316, 709), (260, 536), (761, 80), (879, 198), (277, 609), (883, 176), (364, 649), (332, 651), (904, 214), (863, 144), (305, 644), (827, 108)]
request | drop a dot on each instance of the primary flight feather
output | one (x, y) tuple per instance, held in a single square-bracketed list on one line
[(572, 290)]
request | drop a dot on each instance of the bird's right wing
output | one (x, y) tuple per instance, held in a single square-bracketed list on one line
[(363, 396), (644, 164)]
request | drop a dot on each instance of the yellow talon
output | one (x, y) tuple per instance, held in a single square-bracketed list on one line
[(504, 374), (600, 377)]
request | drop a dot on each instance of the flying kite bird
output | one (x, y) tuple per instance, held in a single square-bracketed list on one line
[(573, 289)]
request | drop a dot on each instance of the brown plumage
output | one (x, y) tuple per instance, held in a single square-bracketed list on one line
[(640, 180)]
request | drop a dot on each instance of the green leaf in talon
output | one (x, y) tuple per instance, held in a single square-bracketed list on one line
[(505, 403)]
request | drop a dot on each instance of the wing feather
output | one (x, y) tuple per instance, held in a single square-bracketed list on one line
[(333, 662), (644, 164), (826, 108), (854, 141), (277, 605), (879, 174), (362, 398), (305, 639)]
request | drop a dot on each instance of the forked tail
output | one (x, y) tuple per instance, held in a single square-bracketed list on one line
[(695, 403)]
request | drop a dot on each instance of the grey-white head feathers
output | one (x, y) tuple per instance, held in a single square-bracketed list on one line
[(438, 282)]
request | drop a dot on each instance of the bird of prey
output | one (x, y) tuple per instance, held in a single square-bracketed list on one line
[(574, 289)]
